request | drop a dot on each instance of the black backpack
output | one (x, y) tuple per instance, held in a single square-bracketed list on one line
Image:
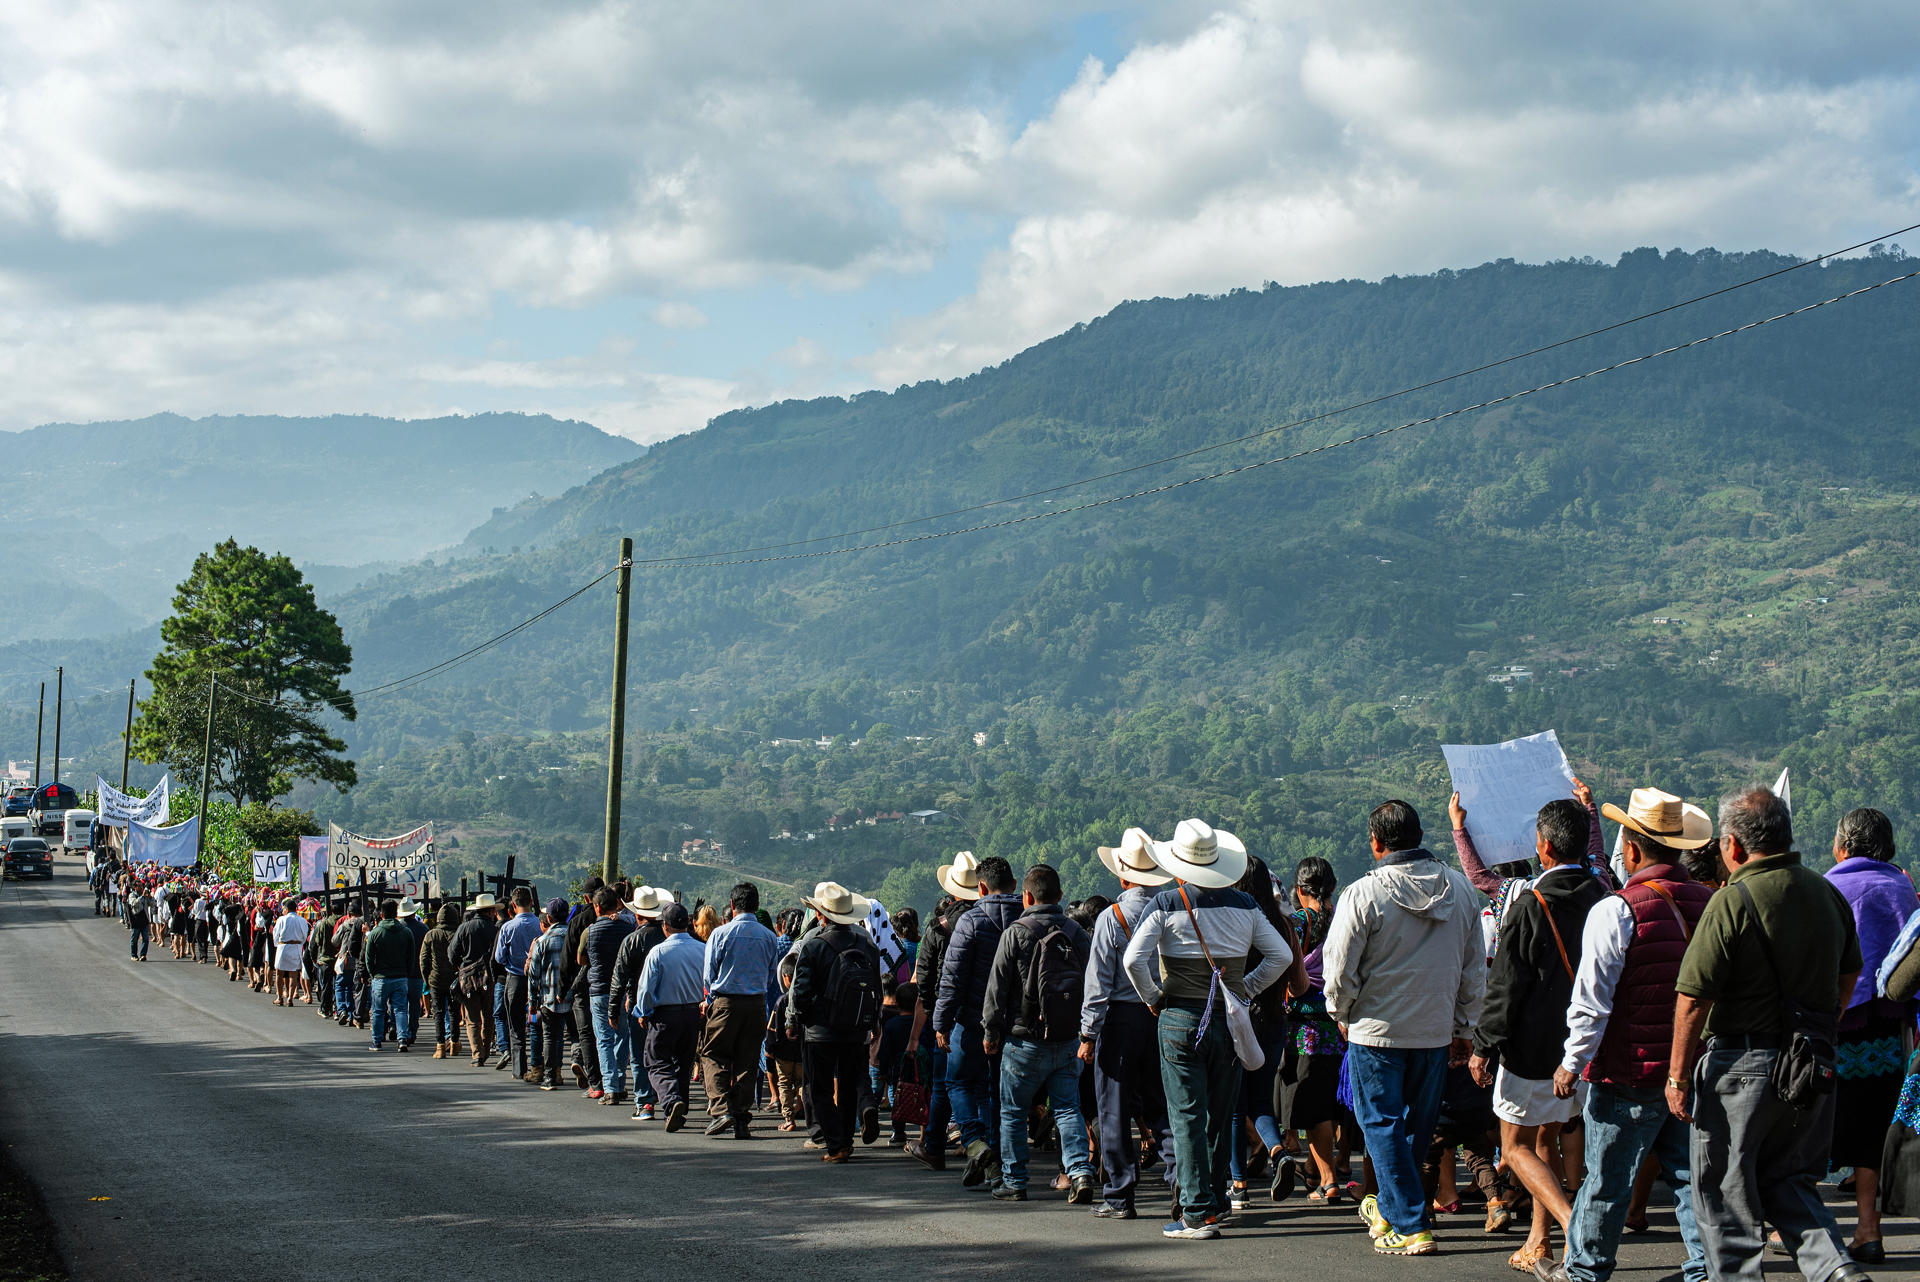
[(1056, 985), (853, 989)]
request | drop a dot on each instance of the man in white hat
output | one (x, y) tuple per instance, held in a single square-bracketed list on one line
[(672, 982), (649, 902), (1198, 934), (961, 882), (973, 1076), (1406, 972), (836, 999), (1117, 1034), (471, 956)]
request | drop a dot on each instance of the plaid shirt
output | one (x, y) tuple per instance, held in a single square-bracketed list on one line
[(543, 968)]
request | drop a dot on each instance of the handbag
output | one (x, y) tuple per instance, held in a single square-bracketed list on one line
[(910, 1096), (1246, 1043), (1806, 1069)]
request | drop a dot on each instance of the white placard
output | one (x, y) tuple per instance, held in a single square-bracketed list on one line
[(272, 867), (1502, 786)]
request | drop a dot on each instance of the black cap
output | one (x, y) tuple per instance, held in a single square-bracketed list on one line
[(676, 918)]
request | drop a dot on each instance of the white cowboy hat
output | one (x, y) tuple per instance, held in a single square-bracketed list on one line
[(482, 901), (1132, 859), (836, 903), (961, 878), (648, 902), (1201, 854), (408, 908), (1663, 817)]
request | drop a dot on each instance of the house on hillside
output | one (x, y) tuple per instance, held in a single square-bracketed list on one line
[(927, 816)]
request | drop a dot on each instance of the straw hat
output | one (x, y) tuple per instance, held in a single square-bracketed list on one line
[(961, 878), (836, 903), (1663, 817), (1201, 854), (482, 900), (1132, 859), (409, 908), (647, 902)]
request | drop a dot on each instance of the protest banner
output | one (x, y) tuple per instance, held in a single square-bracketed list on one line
[(174, 847), (407, 862), (117, 809), (313, 863), (272, 867), (1502, 786)]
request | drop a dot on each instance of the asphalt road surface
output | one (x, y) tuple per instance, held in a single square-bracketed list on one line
[(184, 1127)]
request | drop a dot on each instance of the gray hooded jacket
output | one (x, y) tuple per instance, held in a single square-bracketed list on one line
[(1405, 965)]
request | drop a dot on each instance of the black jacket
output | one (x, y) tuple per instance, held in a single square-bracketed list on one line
[(474, 942), (1006, 1011), (1524, 1022), (812, 972), (631, 957), (969, 961)]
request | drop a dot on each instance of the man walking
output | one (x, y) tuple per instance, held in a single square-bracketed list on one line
[(1032, 1017), (510, 957), (1188, 956), (1620, 1033), (545, 991), (961, 882), (1775, 956), (392, 964), (598, 949), (646, 907), (741, 959), (436, 967), (1523, 1023), (671, 983), (1118, 1035), (973, 1076), (471, 955), (835, 998), (1406, 972)]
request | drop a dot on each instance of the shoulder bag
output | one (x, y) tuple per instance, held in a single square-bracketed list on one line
[(1246, 1043)]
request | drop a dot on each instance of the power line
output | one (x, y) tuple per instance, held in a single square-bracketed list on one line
[(1298, 454), (1296, 423)]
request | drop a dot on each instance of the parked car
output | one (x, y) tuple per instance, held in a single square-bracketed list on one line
[(27, 855)]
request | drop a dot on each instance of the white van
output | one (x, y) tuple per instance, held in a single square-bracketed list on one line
[(77, 830), (17, 826)]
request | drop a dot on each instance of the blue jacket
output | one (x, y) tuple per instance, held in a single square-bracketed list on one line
[(969, 961)]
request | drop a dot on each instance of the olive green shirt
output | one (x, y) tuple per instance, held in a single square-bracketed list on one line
[(1809, 927)]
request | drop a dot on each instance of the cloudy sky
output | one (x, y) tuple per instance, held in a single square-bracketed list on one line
[(643, 213)]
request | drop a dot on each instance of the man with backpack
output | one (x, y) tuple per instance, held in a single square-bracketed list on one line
[(835, 998), (471, 955), (349, 937), (973, 1076), (1032, 1017)]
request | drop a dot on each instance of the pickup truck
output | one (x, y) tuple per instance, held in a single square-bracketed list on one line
[(49, 807)]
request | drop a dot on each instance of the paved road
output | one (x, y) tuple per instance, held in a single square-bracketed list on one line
[(183, 1127)]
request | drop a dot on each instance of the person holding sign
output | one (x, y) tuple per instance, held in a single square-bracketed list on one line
[(289, 946)]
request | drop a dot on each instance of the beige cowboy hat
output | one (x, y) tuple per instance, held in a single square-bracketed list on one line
[(482, 901), (961, 878), (648, 901), (1132, 859), (1663, 817), (409, 908), (836, 903), (1201, 854)]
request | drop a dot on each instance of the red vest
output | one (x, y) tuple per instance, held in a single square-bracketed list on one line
[(1639, 1036)]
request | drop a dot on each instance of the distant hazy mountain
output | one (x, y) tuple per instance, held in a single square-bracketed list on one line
[(106, 517)]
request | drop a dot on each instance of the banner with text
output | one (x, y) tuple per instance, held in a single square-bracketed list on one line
[(313, 863), (272, 867), (407, 862), (1502, 787), (117, 809), (174, 847)]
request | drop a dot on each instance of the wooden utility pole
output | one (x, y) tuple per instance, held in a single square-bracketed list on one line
[(39, 729), (126, 744), (206, 779), (59, 704), (617, 730)]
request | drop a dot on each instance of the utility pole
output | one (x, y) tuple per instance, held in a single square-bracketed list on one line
[(39, 729), (126, 744), (59, 706), (617, 731), (206, 780)]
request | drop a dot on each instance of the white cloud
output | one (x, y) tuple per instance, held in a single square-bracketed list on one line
[(676, 315)]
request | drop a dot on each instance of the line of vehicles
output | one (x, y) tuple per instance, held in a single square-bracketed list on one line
[(29, 816)]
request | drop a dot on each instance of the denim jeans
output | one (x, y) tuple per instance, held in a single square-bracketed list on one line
[(1623, 1126), (611, 1038), (1127, 1090), (446, 1017), (137, 943), (1396, 1100), (1202, 1083), (1757, 1160), (1256, 1101), (933, 1135), (973, 1079), (390, 1002), (643, 1092), (1026, 1070)]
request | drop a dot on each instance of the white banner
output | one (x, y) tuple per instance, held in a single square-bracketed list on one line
[(118, 809), (1502, 787), (173, 846), (272, 867), (407, 862)]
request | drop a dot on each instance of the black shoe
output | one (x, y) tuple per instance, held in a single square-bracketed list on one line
[(869, 1124), (718, 1125), (983, 1167), (1004, 1192), (932, 1159), (1874, 1252), (1080, 1191), (741, 1130), (1108, 1211), (1283, 1177), (676, 1116)]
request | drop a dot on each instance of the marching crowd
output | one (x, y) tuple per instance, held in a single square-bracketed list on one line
[(1701, 1018)]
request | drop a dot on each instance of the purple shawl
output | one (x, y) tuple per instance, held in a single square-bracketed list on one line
[(1882, 898)]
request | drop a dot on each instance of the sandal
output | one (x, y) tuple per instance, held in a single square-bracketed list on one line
[(1326, 1195), (1523, 1260), (1446, 1208)]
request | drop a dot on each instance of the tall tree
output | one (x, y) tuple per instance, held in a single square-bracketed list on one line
[(248, 621)]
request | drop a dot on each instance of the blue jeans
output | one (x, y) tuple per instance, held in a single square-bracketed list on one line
[(973, 1079), (1202, 1083), (1256, 1102), (643, 1092), (137, 942), (611, 1038), (390, 1002), (1127, 1089), (1396, 1100), (1027, 1069), (1623, 1126)]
